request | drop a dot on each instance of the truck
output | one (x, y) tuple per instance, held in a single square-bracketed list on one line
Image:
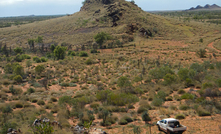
[(171, 126)]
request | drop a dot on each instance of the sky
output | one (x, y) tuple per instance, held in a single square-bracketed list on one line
[(58, 7)]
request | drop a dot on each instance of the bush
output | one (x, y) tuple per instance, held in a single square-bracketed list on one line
[(59, 52), (141, 109), (125, 120), (187, 96), (202, 112), (19, 105), (157, 102), (18, 78), (36, 59), (181, 91), (201, 53), (89, 62), (41, 102), (18, 50), (34, 100), (83, 54), (183, 107), (180, 116), (39, 69), (43, 59), (94, 105), (53, 99), (31, 90), (94, 51)]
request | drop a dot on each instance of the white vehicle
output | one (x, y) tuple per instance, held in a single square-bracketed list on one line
[(171, 126)]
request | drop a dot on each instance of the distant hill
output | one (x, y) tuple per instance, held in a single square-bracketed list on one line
[(206, 7)]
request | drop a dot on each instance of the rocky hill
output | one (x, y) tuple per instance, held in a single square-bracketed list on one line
[(124, 20), (206, 7)]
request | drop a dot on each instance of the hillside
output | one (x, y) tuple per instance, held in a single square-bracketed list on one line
[(79, 28)]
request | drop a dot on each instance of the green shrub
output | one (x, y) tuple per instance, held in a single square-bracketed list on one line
[(39, 69), (180, 116), (122, 122), (34, 100), (184, 107), (53, 99), (19, 105), (59, 52), (94, 105), (141, 109), (202, 112), (89, 61), (170, 98), (83, 54), (157, 102), (41, 102), (201, 53), (18, 50), (36, 59), (94, 51), (187, 96), (43, 59), (125, 120), (181, 91), (31, 90)]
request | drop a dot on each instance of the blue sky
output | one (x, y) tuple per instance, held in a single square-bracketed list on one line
[(53, 7)]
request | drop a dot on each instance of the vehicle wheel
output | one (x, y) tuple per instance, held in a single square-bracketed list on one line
[(158, 127)]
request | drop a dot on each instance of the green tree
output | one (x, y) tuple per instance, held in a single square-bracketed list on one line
[(169, 79), (7, 109), (145, 117), (39, 69), (101, 37), (18, 70), (31, 43), (52, 47), (59, 52), (124, 83), (39, 39), (183, 73)]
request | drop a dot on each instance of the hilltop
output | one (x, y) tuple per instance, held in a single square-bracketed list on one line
[(206, 7), (118, 18)]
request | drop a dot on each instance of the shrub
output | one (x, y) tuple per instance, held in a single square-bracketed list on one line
[(18, 78), (19, 105), (53, 99), (181, 91), (145, 117), (187, 96), (122, 122), (36, 59), (59, 52), (41, 102), (183, 73), (183, 107), (94, 105), (34, 100), (94, 51), (18, 50), (180, 116), (201, 53), (43, 59), (83, 54), (157, 102), (31, 90), (170, 98), (202, 112), (89, 62), (39, 69), (141, 109)]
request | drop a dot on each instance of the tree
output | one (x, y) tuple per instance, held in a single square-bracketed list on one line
[(101, 37), (39, 69), (124, 83), (183, 73), (31, 43), (39, 39), (169, 79), (52, 47), (132, 1), (18, 70), (145, 117), (59, 52)]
